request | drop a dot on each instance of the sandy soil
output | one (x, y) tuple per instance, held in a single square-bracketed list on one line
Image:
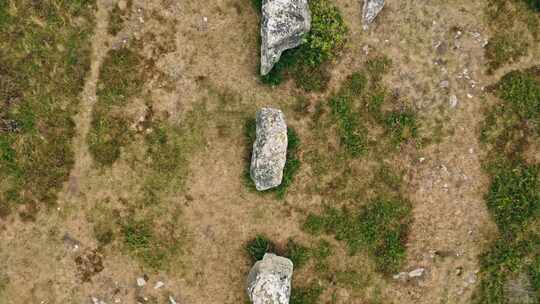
[(428, 42)]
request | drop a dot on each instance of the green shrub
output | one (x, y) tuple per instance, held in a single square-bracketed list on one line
[(327, 35), (257, 4), (305, 64), (533, 4), (258, 247)]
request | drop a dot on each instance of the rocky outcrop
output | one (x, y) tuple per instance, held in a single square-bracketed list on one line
[(370, 11), (269, 150), (284, 23), (269, 280)]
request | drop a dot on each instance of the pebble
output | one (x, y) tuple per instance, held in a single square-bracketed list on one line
[(453, 101), (122, 4), (141, 282), (444, 84), (171, 299), (159, 284), (417, 273)]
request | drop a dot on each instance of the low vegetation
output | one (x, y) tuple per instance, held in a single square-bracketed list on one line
[(117, 17), (292, 164), (364, 91), (120, 79), (381, 226), (512, 263), (514, 23), (44, 58), (307, 64)]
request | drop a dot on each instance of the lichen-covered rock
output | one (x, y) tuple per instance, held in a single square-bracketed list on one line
[(284, 23), (269, 150), (269, 280), (370, 11)]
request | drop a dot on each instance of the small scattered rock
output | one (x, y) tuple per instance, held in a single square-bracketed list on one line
[(269, 280), (141, 282), (445, 84), (417, 273), (371, 9), (413, 274), (453, 101), (283, 26), (269, 149), (159, 284), (122, 4), (97, 301), (172, 301)]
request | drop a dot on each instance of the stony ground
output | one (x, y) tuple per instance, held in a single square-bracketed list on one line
[(205, 60)]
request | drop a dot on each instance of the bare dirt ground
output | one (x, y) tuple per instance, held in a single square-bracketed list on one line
[(428, 41)]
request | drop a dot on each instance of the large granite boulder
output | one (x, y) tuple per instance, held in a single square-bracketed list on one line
[(370, 11), (269, 150), (284, 23), (269, 280)]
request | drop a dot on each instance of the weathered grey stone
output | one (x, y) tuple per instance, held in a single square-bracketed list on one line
[(284, 23), (269, 150), (371, 9), (269, 280)]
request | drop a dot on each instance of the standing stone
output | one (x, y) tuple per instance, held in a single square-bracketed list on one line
[(284, 23), (269, 280), (370, 11), (269, 150)]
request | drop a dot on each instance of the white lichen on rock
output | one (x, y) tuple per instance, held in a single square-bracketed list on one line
[(269, 280), (371, 9), (269, 149), (283, 26)]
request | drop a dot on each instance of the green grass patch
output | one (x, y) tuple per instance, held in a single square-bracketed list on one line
[(381, 227), (306, 295), (169, 148), (510, 267), (298, 253), (121, 78), (44, 58), (306, 64), (156, 244), (364, 91), (292, 164), (401, 126)]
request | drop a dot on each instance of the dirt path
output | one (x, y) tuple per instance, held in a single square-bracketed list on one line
[(100, 46)]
